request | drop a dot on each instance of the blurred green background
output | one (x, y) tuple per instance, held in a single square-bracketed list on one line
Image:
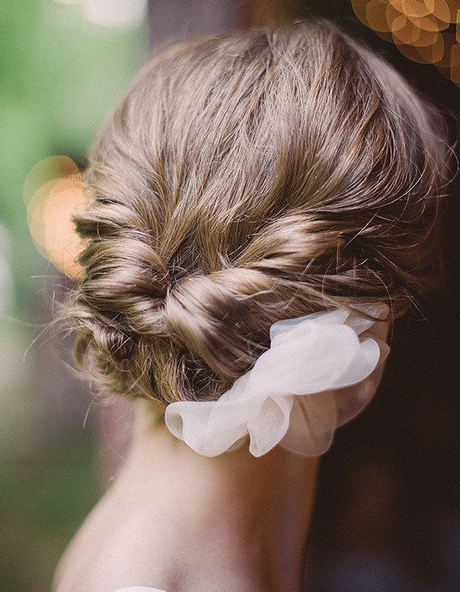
[(63, 65)]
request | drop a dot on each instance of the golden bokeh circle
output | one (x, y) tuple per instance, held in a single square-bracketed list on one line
[(53, 193), (420, 29), (377, 17), (411, 8)]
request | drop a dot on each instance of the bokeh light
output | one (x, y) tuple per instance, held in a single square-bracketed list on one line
[(421, 29), (54, 192), (375, 16), (455, 63), (116, 13)]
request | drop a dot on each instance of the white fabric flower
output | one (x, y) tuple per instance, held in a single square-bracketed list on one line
[(320, 371)]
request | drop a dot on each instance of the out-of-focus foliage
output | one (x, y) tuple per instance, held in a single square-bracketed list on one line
[(63, 65)]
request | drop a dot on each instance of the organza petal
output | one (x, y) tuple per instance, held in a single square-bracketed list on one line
[(315, 357), (270, 425), (312, 424), (192, 423)]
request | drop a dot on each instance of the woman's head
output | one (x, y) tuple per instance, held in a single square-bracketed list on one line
[(245, 180)]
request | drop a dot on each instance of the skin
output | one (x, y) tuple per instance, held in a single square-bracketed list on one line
[(178, 521)]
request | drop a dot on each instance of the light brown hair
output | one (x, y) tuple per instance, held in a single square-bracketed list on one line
[(244, 180)]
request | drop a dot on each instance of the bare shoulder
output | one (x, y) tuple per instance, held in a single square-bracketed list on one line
[(117, 545)]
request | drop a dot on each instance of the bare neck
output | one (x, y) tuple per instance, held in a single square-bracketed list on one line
[(178, 521), (253, 512)]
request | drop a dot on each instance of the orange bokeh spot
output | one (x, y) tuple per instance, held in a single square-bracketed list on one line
[(438, 9), (405, 31), (454, 11), (48, 169), (423, 19), (377, 16), (359, 8), (429, 23), (411, 8), (455, 63), (455, 55), (50, 212), (425, 54), (441, 10), (435, 52), (413, 35)]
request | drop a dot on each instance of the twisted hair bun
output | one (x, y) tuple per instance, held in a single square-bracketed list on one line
[(245, 180)]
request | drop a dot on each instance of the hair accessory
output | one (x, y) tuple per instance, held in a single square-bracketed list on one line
[(321, 370)]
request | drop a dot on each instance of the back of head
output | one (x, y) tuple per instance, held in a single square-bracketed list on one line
[(245, 180)]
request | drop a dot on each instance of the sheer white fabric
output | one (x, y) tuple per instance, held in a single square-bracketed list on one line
[(321, 370)]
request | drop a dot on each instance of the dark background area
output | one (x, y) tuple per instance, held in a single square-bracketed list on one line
[(388, 507)]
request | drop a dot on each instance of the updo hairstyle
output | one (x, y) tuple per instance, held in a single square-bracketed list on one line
[(244, 180)]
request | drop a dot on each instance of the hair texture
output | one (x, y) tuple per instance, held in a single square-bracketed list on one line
[(244, 180)]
